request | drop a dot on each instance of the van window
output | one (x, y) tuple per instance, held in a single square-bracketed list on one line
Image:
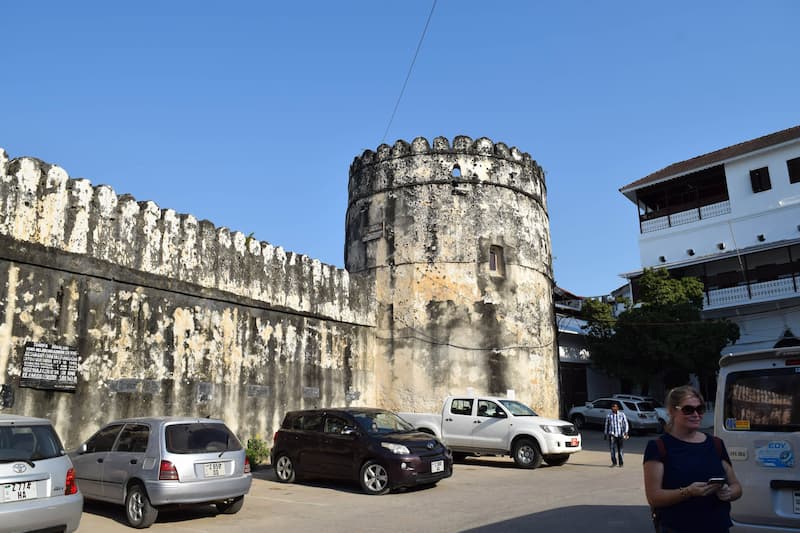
[(763, 400)]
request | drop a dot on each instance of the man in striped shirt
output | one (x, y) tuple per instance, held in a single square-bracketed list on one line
[(616, 429)]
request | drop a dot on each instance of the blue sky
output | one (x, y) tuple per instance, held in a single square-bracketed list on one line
[(249, 114)]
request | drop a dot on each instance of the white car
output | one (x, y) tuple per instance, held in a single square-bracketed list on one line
[(641, 415), (36, 475), (661, 411)]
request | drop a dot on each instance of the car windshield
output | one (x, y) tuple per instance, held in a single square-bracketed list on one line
[(382, 422), (517, 408), (200, 437), (29, 443)]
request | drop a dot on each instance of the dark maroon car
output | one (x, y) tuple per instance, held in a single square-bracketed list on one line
[(376, 447)]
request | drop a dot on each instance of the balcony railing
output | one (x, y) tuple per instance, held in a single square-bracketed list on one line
[(758, 291), (686, 217)]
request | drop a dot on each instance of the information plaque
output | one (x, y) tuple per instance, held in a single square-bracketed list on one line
[(49, 367)]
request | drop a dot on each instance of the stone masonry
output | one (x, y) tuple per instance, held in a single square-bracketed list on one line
[(171, 315)]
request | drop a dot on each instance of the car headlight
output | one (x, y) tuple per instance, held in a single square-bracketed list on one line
[(550, 429), (399, 449)]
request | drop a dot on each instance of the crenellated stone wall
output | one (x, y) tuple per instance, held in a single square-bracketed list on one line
[(169, 314), (172, 315)]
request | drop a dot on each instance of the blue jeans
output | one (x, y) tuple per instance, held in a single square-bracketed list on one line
[(615, 445)]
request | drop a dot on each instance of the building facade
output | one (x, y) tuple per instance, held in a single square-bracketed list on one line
[(732, 219)]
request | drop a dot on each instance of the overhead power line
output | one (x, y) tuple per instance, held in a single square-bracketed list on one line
[(408, 75)]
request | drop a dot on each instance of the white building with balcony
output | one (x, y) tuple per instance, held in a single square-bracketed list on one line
[(731, 218)]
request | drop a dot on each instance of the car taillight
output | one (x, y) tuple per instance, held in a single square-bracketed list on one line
[(246, 465), (167, 471), (70, 487)]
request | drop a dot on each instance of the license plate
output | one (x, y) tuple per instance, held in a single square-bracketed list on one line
[(213, 470), (437, 466), (13, 492), (797, 502)]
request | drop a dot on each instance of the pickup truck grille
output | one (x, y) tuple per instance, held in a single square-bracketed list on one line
[(568, 430)]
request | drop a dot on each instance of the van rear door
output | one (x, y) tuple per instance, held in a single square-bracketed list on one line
[(758, 417)]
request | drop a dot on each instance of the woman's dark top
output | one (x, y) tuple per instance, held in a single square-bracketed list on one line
[(685, 463)]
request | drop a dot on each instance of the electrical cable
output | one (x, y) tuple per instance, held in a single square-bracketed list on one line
[(408, 75)]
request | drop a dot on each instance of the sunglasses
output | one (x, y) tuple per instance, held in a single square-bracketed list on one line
[(689, 409)]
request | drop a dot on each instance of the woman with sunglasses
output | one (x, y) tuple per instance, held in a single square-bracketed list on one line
[(688, 478)]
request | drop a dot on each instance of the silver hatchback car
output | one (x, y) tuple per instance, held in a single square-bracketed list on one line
[(37, 481), (147, 463)]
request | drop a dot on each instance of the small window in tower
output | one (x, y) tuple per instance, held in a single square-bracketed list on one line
[(759, 179), (794, 170), (456, 173), (496, 262)]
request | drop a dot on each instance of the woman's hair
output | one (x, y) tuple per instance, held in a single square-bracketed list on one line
[(677, 395)]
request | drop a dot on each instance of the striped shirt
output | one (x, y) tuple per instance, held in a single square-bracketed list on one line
[(616, 424)]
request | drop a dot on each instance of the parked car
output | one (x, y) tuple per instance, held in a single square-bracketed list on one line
[(641, 415), (375, 447), (37, 478), (661, 411), (488, 425), (147, 463)]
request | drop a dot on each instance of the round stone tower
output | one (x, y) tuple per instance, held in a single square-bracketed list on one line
[(457, 241)]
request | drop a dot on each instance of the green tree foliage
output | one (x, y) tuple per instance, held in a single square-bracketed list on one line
[(662, 336)]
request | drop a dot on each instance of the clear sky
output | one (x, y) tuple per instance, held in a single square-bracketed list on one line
[(249, 114)]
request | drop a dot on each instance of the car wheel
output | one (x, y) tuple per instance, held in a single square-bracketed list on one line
[(556, 460), (284, 469), (374, 478), (578, 420), (138, 510), (527, 454), (231, 506)]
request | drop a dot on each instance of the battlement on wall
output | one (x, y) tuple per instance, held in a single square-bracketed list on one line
[(40, 203), (478, 161)]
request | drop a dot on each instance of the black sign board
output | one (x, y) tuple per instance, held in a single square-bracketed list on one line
[(49, 367)]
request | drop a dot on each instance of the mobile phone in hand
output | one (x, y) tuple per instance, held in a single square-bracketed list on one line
[(717, 481)]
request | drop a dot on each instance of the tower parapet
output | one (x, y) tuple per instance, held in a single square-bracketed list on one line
[(463, 163)]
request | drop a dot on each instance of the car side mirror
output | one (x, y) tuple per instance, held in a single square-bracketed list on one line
[(500, 414), (349, 430), (83, 448), (588, 404)]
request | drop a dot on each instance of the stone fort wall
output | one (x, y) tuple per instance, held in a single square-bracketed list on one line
[(169, 315)]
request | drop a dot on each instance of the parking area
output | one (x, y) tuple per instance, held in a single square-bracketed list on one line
[(483, 495)]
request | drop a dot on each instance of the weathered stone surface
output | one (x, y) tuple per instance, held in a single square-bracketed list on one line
[(421, 224), (171, 315)]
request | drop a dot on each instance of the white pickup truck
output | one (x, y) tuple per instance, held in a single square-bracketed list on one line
[(488, 425)]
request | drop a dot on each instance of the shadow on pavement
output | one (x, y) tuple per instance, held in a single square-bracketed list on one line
[(594, 518)]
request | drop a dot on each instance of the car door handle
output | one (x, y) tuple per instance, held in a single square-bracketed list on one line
[(134, 461), (448, 419), (100, 460), (476, 422)]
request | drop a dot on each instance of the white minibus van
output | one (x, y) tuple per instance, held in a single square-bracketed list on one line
[(757, 414)]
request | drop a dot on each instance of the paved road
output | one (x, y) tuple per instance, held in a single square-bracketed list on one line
[(484, 495)]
